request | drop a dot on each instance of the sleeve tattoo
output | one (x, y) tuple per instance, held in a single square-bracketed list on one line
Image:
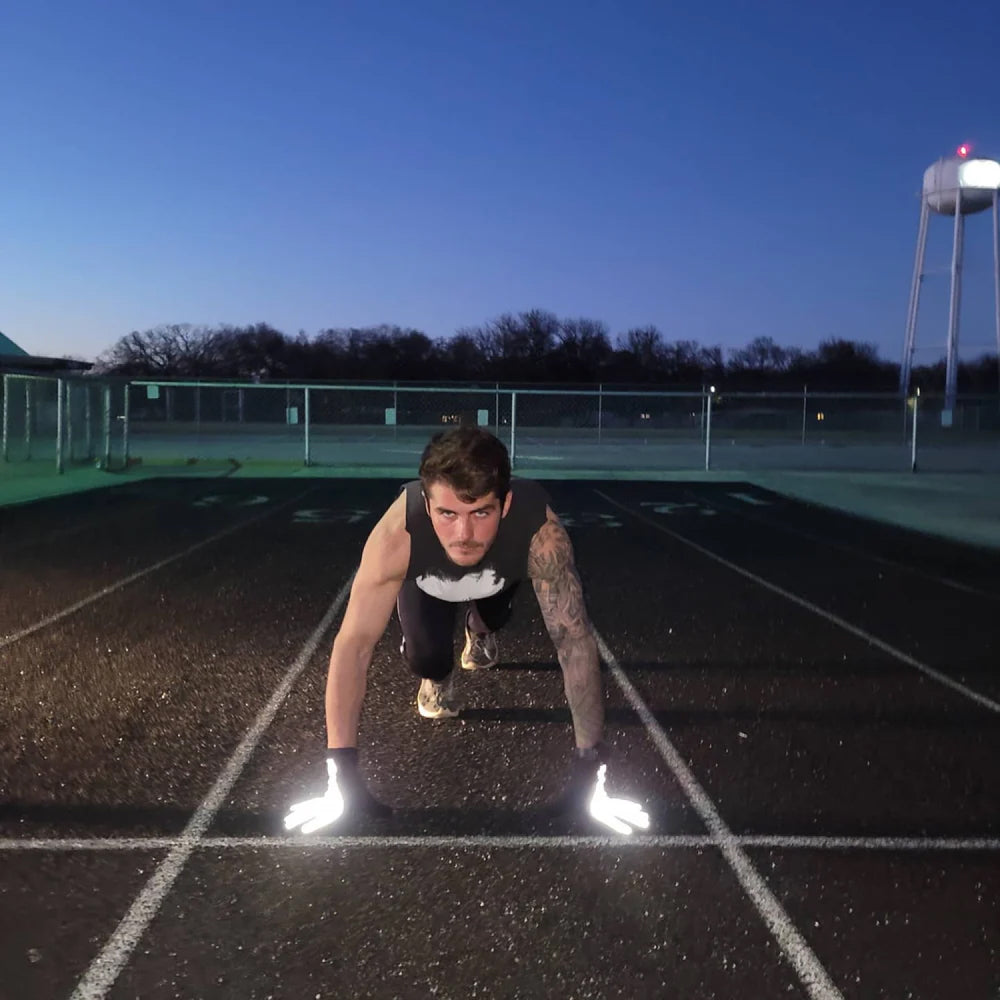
[(560, 598)]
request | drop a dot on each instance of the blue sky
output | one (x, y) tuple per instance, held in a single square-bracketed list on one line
[(722, 170)]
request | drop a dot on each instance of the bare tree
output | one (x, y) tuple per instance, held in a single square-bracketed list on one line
[(174, 349)]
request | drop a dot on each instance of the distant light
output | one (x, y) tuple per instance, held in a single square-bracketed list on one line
[(821, 416), (963, 150)]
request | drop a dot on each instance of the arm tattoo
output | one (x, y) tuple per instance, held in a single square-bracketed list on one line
[(560, 597)]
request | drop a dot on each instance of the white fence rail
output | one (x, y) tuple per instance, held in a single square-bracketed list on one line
[(110, 422)]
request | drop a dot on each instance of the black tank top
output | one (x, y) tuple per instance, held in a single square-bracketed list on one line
[(505, 562)]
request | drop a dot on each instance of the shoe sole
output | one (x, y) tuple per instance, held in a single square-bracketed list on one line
[(479, 666), (445, 713)]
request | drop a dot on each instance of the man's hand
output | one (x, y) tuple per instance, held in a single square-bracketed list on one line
[(313, 814), (586, 794), (616, 813), (345, 794)]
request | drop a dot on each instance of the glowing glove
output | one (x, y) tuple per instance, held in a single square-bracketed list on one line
[(615, 813), (586, 796), (345, 794), (313, 814)]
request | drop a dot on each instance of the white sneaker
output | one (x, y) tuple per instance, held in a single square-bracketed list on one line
[(435, 699), (480, 649)]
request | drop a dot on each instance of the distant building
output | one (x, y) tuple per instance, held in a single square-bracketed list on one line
[(17, 361)]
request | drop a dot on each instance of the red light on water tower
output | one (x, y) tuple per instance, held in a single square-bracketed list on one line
[(963, 150)]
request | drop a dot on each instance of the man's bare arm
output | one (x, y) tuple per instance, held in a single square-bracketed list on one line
[(373, 595), (560, 597)]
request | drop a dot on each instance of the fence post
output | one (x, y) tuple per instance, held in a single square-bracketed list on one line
[(497, 404), (69, 422), (308, 458), (600, 410), (60, 391), (125, 426), (106, 460), (88, 420), (6, 414), (28, 386), (913, 443), (513, 424), (805, 395), (708, 428)]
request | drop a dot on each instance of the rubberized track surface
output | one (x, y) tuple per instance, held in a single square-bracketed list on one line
[(808, 704)]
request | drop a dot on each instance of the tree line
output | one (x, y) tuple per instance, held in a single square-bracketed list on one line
[(533, 347)]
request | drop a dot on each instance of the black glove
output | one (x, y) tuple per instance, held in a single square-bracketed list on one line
[(346, 795), (573, 801), (585, 797), (583, 776), (357, 798)]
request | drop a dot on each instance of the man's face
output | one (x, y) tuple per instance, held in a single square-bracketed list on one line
[(465, 530)]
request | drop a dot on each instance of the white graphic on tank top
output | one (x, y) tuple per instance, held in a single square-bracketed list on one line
[(471, 587)]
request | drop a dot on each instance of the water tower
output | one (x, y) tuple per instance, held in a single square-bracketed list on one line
[(958, 185)]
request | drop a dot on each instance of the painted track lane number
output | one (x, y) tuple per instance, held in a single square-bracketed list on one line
[(672, 507), (589, 518), (221, 499), (327, 515)]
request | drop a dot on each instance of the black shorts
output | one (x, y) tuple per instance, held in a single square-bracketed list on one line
[(429, 626)]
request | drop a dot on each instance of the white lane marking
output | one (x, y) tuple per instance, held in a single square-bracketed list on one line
[(811, 842), (801, 957), (965, 588), (89, 843), (823, 843), (120, 584), (748, 498), (104, 970), (936, 675)]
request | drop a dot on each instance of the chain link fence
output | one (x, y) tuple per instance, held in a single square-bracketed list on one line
[(63, 422), (111, 422)]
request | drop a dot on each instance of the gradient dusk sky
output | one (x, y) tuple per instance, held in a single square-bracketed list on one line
[(721, 170)]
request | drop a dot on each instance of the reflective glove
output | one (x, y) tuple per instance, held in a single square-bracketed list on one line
[(346, 793), (588, 794), (621, 815)]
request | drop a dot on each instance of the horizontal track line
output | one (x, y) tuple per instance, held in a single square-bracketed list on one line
[(817, 842)]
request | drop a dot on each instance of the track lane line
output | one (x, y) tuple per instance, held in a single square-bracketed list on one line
[(872, 640), (9, 640), (809, 842), (793, 945), (105, 968), (844, 547)]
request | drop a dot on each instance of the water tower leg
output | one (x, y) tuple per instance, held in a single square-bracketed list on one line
[(911, 314), (951, 373)]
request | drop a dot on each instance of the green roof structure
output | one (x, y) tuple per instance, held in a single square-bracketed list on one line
[(10, 349)]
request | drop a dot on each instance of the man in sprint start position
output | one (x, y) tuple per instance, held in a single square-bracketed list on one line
[(464, 533)]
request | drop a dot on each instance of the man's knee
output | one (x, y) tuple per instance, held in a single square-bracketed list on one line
[(428, 661)]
